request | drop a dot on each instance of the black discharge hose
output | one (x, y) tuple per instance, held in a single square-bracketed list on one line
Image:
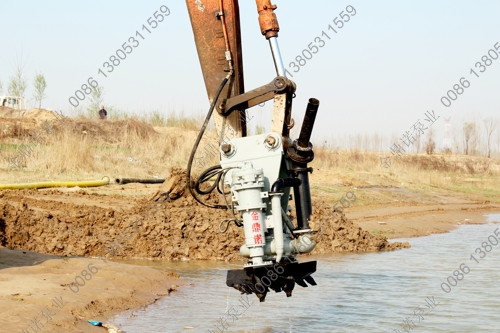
[(122, 181), (197, 143)]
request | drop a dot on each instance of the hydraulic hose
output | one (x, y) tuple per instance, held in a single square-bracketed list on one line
[(88, 183), (197, 143)]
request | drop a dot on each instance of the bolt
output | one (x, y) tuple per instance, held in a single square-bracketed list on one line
[(226, 148), (271, 140), (279, 83)]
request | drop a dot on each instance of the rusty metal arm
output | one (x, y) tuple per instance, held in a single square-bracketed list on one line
[(279, 85), (216, 29)]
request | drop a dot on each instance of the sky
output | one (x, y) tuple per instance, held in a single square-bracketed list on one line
[(380, 73)]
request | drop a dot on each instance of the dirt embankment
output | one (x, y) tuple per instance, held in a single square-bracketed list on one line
[(35, 291), (46, 221), (16, 124)]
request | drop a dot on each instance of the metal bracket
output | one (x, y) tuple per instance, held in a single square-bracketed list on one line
[(279, 85)]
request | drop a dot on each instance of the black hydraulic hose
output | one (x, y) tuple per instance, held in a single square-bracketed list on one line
[(285, 182), (197, 143), (122, 181), (216, 170)]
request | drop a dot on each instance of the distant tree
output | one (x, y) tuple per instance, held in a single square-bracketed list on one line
[(456, 131), (39, 84), (491, 125), (376, 142), (96, 99), (417, 145), (18, 83), (430, 145), (17, 86), (498, 136), (469, 131), (1, 88)]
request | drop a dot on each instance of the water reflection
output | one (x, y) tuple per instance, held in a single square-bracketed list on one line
[(374, 292)]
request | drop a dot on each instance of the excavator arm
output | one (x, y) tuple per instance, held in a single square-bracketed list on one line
[(216, 28), (259, 170)]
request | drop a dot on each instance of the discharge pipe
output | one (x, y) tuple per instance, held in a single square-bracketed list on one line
[(122, 181), (87, 183), (284, 182), (278, 224), (275, 195), (301, 153)]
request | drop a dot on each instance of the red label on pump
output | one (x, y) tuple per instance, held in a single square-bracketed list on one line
[(256, 227), (255, 216), (257, 239)]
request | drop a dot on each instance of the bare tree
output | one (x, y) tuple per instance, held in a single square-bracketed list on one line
[(469, 131), (1, 88), (39, 84), (18, 83), (498, 138), (491, 125), (430, 145), (456, 131), (96, 99), (417, 144), (376, 142)]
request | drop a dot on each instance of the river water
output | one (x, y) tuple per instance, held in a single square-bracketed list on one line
[(399, 291)]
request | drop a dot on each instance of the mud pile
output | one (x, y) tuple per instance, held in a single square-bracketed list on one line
[(341, 235), (181, 229), (20, 123)]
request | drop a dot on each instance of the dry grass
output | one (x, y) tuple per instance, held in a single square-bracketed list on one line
[(85, 148), (478, 177), (126, 148)]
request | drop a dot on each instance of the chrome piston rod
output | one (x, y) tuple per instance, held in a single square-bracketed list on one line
[(278, 62)]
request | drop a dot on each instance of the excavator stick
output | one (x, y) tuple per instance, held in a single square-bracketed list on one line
[(216, 28)]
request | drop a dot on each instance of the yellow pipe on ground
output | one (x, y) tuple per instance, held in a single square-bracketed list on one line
[(87, 183)]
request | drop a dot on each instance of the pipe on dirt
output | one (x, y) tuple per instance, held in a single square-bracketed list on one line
[(122, 181), (89, 183)]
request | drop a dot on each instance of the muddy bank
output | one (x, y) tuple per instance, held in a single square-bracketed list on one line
[(78, 224), (35, 291)]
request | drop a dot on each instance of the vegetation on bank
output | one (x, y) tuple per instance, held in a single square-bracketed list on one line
[(146, 146)]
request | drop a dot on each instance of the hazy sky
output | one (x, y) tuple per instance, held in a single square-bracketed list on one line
[(380, 72)]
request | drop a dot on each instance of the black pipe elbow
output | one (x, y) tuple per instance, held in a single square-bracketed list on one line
[(283, 183)]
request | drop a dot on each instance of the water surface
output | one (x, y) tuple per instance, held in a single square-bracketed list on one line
[(373, 292)]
